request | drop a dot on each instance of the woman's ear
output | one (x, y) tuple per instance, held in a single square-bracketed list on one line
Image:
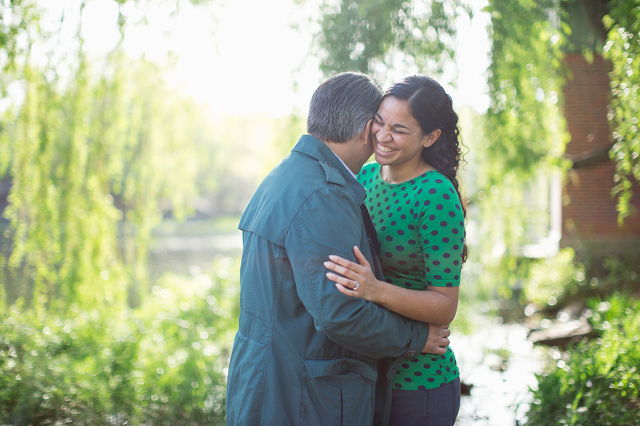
[(431, 138)]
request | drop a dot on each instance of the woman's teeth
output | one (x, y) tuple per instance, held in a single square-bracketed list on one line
[(384, 148)]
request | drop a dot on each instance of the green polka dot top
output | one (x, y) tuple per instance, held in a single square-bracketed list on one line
[(420, 225)]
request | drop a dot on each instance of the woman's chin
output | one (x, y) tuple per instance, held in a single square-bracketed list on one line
[(382, 159)]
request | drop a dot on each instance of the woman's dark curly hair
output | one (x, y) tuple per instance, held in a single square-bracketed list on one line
[(432, 108)]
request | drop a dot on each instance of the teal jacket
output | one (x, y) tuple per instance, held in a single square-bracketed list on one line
[(306, 354)]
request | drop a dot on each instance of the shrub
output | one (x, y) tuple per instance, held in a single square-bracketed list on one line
[(552, 278), (160, 364), (596, 383)]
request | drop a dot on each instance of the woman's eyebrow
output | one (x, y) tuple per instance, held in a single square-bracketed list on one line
[(379, 117), (400, 125)]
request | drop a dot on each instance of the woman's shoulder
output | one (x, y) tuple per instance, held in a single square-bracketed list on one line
[(436, 179), (437, 198), (433, 181), (368, 172), (438, 190)]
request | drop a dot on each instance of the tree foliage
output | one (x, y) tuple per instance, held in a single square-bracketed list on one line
[(375, 37), (89, 148), (95, 151), (524, 127), (623, 50), (523, 139)]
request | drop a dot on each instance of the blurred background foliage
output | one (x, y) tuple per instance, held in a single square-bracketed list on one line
[(163, 363), (102, 157), (621, 49), (375, 37), (597, 382), (96, 151)]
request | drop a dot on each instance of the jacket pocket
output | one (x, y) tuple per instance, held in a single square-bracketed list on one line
[(338, 392)]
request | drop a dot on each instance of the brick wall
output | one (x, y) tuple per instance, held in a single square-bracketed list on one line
[(589, 210)]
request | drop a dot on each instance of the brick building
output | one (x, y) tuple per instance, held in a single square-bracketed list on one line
[(589, 213)]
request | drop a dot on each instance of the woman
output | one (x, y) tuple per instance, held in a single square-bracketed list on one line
[(413, 197)]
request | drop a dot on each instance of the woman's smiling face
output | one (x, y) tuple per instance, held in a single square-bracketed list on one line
[(397, 136)]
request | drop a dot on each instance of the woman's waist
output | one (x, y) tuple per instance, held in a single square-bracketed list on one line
[(429, 360)]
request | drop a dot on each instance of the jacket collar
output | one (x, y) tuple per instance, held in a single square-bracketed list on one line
[(315, 148)]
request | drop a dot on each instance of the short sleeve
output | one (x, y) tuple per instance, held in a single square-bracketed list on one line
[(441, 224)]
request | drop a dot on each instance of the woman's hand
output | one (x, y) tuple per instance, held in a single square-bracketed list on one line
[(357, 279), (438, 339)]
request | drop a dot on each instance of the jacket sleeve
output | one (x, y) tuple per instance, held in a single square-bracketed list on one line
[(329, 223)]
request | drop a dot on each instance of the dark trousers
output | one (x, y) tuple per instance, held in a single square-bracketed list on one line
[(430, 407)]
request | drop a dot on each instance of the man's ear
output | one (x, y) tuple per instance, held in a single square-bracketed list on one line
[(366, 133), (431, 138)]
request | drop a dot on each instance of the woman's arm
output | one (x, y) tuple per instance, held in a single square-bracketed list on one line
[(438, 305)]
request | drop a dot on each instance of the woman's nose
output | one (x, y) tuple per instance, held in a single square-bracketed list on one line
[(383, 134)]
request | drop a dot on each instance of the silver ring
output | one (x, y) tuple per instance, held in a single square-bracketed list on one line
[(356, 287)]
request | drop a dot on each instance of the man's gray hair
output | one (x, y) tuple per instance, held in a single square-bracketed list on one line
[(341, 106)]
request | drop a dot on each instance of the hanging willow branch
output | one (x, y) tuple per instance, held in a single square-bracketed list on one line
[(88, 158)]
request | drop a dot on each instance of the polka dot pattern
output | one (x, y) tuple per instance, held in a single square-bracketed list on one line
[(421, 227)]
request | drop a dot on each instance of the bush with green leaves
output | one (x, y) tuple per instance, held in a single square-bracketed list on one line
[(554, 282), (552, 278), (597, 382), (163, 363)]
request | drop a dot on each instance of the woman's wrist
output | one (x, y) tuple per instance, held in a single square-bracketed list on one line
[(378, 294)]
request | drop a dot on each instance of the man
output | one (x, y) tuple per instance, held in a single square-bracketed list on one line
[(305, 354)]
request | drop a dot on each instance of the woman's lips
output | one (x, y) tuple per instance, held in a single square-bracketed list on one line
[(384, 149)]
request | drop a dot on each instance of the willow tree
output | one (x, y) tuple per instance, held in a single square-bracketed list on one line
[(524, 135), (376, 37), (89, 147)]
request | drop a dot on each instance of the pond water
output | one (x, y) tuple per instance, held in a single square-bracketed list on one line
[(496, 359), (500, 364)]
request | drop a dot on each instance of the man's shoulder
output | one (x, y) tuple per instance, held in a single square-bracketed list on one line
[(299, 175), (282, 194)]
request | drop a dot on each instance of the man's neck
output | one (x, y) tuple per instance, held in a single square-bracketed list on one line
[(348, 153)]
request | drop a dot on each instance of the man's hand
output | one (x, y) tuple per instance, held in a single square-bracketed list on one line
[(438, 339)]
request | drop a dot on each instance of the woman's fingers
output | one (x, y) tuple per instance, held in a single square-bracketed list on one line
[(438, 339), (360, 257), (350, 276), (345, 282), (347, 272), (346, 264), (441, 350), (347, 291)]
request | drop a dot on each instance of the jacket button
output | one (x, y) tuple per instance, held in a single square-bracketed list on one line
[(410, 353)]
